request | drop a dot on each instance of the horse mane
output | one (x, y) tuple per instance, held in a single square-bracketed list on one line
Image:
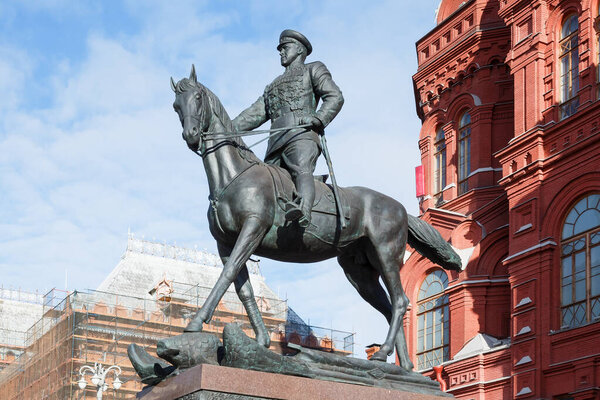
[(217, 108)]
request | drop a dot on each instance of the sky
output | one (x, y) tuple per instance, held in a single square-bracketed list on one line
[(90, 147)]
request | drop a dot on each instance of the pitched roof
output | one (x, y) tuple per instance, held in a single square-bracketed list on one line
[(146, 263)]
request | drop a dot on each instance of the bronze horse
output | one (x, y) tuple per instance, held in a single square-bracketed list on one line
[(245, 218)]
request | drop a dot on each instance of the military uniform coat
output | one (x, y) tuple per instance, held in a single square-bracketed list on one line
[(288, 98)]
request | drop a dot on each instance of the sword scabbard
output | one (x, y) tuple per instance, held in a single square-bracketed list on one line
[(336, 193)]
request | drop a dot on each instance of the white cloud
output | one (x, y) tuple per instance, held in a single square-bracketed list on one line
[(111, 80), (15, 68)]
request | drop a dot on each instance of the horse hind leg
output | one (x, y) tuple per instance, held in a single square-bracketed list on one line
[(386, 254), (365, 279), (401, 346)]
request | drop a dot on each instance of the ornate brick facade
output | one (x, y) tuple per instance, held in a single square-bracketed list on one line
[(508, 95)]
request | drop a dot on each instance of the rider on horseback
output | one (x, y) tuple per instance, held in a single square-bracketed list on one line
[(291, 100)]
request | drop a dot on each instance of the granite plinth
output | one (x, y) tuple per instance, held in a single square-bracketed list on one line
[(213, 382)]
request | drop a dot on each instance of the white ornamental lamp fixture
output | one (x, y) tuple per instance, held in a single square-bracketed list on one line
[(99, 374)]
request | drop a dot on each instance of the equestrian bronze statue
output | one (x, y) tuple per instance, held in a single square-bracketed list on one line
[(249, 200)]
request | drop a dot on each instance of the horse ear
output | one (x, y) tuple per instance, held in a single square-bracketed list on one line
[(173, 85), (193, 74)]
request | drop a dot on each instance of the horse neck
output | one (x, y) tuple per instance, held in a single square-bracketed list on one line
[(225, 162)]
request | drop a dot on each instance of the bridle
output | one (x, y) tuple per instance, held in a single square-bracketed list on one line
[(205, 135)]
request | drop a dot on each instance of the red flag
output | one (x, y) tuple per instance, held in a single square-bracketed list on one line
[(420, 178)]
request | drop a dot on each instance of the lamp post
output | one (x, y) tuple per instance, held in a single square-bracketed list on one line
[(99, 374)]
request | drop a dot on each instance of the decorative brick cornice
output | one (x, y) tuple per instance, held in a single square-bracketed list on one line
[(448, 131), (424, 145), (504, 115)]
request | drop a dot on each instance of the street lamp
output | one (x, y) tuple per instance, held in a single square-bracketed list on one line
[(99, 374)]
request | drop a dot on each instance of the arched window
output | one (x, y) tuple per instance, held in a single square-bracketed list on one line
[(569, 66), (464, 152), (439, 174), (580, 261), (432, 321)]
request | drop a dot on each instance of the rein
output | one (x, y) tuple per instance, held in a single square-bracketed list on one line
[(235, 134)]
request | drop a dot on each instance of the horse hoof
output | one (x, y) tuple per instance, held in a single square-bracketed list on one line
[(379, 356), (264, 340)]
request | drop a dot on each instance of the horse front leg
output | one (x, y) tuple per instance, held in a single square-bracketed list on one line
[(245, 292), (250, 236)]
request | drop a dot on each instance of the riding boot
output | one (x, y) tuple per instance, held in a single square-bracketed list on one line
[(305, 185)]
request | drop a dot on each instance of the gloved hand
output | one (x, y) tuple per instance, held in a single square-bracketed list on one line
[(315, 124)]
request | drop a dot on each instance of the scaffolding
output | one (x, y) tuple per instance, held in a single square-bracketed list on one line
[(81, 328)]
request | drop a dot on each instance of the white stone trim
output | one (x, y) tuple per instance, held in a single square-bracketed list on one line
[(524, 360), (524, 391), (524, 228), (485, 169), (524, 330), (478, 281), (448, 212), (537, 246), (524, 300), (465, 256), (479, 344), (483, 232)]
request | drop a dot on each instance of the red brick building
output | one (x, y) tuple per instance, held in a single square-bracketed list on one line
[(508, 93)]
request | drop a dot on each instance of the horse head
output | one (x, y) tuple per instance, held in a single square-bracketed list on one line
[(194, 109)]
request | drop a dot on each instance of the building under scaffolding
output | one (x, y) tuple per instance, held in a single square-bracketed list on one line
[(18, 311), (82, 328)]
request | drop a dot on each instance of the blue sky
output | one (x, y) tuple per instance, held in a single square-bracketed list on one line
[(90, 146)]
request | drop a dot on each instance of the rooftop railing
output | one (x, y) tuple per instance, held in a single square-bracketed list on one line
[(203, 257), (21, 295)]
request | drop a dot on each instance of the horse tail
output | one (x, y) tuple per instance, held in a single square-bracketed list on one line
[(427, 241)]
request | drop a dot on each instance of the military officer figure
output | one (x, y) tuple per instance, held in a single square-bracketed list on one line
[(291, 100)]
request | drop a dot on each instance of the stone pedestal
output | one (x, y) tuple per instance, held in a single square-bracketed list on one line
[(211, 382)]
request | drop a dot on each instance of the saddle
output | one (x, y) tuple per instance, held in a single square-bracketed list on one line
[(324, 202)]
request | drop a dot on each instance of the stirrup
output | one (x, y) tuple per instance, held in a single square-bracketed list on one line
[(303, 221), (293, 213)]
